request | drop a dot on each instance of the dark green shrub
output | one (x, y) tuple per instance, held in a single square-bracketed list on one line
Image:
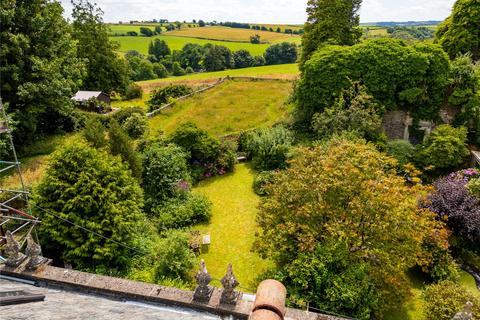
[(443, 300), (161, 96), (268, 148), (401, 150), (177, 69), (121, 145), (444, 150), (175, 259), (281, 53), (134, 91), (165, 174), (261, 180), (354, 111), (95, 190), (183, 213), (160, 70), (95, 133), (201, 147), (123, 114), (135, 126), (227, 158), (189, 70)]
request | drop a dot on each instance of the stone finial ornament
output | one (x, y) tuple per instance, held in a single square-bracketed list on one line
[(34, 254), (15, 257), (466, 313), (203, 291), (229, 283)]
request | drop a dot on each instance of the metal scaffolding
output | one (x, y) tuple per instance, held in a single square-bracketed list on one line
[(15, 212)]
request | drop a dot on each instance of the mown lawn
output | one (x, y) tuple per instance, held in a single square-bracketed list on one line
[(231, 107), (232, 227), (140, 43), (413, 309), (235, 34), (280, 71)]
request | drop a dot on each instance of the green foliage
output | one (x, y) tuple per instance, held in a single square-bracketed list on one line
[(105, 70), (135, 126), (198, 144), (398, 76), (217, 58), (268, 148), (134, 91), (464, 92), (95, 133), (255, 39), (189, 70), (411, 33), (161, 96), (177, 69), (473, 187), (459, 33), (354, 111), (160, 70), (175, 259), (140, 69), (96, 191), (124, 113), (243, 59), (121, 145), (342, 213), (281, 53), (330, 21), (183, 213), (445, 299), (159, 49), (444, 150), (39, 68), (401, 150), (261, 180), (192, 55), (165, 171), (147, 32)]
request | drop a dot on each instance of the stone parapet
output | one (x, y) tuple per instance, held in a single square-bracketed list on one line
[(122, 289)]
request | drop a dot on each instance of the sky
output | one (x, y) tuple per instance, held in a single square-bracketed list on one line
[(262, 11)]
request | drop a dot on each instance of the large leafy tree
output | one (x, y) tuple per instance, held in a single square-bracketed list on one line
[(330, 21), (460, 33), (105, 70), (94, 190), (39, 67), (396, 75), (343, 228)]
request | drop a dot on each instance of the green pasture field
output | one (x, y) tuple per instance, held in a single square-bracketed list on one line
[(231, 107), (281, 71), (140, 44)]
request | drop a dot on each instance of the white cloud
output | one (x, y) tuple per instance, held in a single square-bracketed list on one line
[(267, 11)]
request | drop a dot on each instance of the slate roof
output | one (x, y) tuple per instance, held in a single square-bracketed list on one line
[(85, 95), (61, 305)]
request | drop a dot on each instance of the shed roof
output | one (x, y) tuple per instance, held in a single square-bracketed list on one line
[(85, 95)]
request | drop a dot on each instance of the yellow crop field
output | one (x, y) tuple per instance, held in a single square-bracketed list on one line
[(234, 34)]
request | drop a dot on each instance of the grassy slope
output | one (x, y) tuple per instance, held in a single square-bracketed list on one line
[(287, 71), (235, 34), (140, 44), (232, 228), (231, 107)]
